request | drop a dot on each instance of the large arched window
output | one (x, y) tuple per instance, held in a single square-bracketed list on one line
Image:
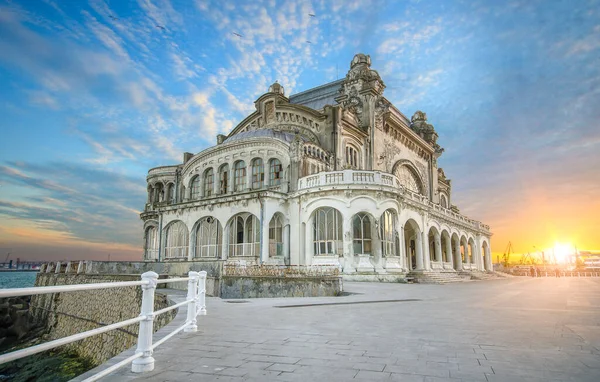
[(408, 179), (258, 173), (195, 188), (208, 238), (327, 230), (223, 179), (239, 173), (389, 234), (275, 172), (209, 183), (276, 236), (151, 243), (244, 235), (361, 234), (177, 241)]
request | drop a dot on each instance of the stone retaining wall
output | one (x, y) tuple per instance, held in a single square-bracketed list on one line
[(67, 313), (265, 286)]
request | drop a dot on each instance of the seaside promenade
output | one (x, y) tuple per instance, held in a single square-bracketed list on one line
[(518, 329)]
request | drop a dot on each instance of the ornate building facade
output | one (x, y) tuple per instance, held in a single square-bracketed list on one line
[(333, 176)]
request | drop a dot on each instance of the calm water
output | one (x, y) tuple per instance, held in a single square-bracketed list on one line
[(17, 279)]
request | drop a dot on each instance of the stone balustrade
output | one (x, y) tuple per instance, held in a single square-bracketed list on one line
[(379, 179), (162, 170)]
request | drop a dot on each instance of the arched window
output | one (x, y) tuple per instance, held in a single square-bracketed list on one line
[(209, 184), (223, 179), (389, 235), (158, 193), (244, 235), (408, 179), (171, 193), (275, 172), (151, 243), (351, 157), (361, 233), (258, 173), (195, 185), (208, 238), (327, 230), (239, 176), (177, 241), (276, 236), (443, 201)]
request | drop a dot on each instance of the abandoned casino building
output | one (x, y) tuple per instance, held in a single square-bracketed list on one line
[(333, 176)]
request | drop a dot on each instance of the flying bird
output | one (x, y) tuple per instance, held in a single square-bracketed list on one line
[(237, 34), (160, 26), (112, 17), (308, 42), (312, 15)]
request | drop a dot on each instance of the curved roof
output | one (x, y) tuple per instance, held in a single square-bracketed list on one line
[(283, 136)]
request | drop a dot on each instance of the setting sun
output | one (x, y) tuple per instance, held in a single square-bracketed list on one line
[(562, 251)]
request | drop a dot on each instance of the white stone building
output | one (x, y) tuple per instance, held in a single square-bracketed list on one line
[(335, 175)]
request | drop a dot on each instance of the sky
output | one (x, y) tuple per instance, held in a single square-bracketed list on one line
[(95, 93)]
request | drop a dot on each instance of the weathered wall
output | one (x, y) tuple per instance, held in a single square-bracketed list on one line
[(65, 314), (249, 287)]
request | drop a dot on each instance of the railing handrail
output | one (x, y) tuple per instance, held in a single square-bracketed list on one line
[(142, 359)]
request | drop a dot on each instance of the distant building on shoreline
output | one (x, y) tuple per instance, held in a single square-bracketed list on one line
[(332, 176)]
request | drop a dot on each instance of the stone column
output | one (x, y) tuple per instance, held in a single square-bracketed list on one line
[(465, 246), (249, 175), (402, 249), (225, 242), (231, 175), (309, 251), (449, 257), (488, 259), (419, 250), (459, 264), (425, 249), (264, 256), (216, 182), (347, 249), (286, 244), (438, 248)]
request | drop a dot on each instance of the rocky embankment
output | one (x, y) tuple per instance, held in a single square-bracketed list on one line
[(14, 320)]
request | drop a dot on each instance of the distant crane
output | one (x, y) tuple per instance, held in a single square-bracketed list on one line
[(7, 256), (506, 254)]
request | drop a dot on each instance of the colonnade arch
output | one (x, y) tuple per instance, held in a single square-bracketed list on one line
[(244, 235), (207, 240), (413, 245), (176, 240), (151, 241), (327, 231)]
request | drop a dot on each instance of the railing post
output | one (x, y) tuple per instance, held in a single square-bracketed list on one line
[(202, 294), (191, 296), (146, 362)]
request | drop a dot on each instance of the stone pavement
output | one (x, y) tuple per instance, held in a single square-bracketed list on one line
[(518, 329)]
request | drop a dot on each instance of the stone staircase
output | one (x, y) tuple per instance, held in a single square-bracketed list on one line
[(436, 277), (487, 275)]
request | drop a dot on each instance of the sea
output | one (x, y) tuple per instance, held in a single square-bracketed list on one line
[(15, 279)]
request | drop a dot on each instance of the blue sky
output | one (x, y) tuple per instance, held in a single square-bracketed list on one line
[(95, 93)]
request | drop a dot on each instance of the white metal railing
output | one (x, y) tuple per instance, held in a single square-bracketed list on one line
[(142, 360)]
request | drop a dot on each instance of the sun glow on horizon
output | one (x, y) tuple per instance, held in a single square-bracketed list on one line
[(562, 251)]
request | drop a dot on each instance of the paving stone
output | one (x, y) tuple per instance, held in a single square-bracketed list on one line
[(367, 375), (455, 332)]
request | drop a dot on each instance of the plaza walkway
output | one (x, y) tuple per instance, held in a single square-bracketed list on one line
[(518, 329)]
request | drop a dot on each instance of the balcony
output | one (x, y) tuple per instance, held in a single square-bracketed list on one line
[(347, 178)]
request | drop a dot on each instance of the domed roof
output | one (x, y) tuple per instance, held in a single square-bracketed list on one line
[(283, 136)]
